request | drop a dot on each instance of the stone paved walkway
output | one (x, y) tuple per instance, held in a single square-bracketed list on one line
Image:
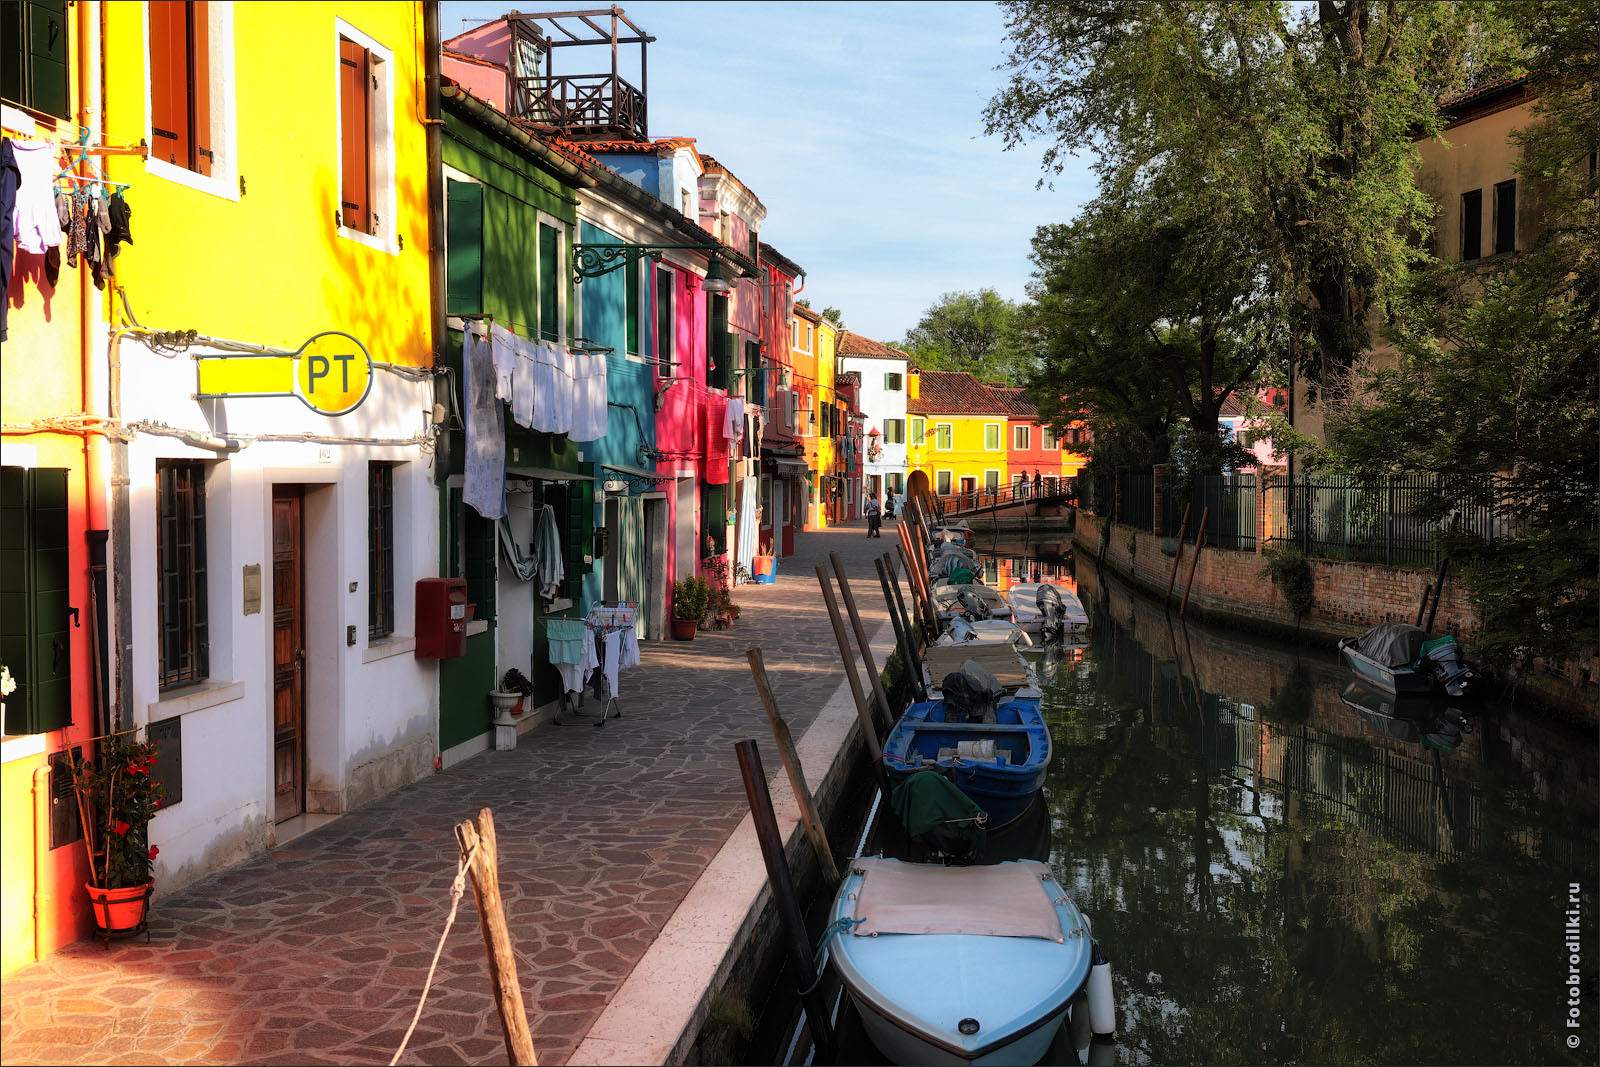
[(316, 952)]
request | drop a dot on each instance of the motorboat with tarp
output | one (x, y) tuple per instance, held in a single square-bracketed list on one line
[(1400, 658), (1043, 607)]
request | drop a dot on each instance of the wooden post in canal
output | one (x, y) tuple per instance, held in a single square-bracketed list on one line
[(1177, 558), (869, 728), (900, 602), (861, 639), (1199, 539), (797, 775), (902, 634), (485, 869), (794, 923)]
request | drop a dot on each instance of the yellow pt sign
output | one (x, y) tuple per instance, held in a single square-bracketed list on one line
[(331, 373)]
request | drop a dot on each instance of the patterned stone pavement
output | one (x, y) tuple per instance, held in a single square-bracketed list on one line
[(316, 952)]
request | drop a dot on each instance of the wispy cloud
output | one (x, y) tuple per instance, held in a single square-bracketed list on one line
[(860, 128)]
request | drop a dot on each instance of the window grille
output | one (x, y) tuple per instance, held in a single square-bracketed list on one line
[(184, 646)]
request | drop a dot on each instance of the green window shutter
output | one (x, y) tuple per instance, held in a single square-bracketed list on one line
[(579, 539), (549, 279), (630, 283), (664, 325), (719, 375), (34, 55), (479, 564), (464, 248), (34, 639)]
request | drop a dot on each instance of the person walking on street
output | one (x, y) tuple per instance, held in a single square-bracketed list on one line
[(1037, 481), (888, 503), (874, 518)]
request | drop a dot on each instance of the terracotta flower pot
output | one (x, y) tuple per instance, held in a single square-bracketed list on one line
[(120, 909), (684, 629)]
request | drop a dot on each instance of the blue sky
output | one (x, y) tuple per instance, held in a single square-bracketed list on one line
[(860, 128)]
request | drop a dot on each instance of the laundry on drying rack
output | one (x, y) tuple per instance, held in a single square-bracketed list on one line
[(571, 651)]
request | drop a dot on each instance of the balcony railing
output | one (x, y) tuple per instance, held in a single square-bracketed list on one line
[(583, 103)]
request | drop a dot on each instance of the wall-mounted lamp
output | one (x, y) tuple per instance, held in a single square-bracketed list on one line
[(714, 282)]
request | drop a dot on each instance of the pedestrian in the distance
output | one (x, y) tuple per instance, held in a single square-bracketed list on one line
[(888, 504), (874, 518), (1037, 481)]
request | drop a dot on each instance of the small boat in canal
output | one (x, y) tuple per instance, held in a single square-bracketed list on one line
[(1425, 720), (1038, 607), (996, 644), (959, 965), (994, 749), (973, 599), (1400, 658)]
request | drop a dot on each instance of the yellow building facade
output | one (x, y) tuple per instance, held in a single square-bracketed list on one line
[(957, 434), (265, 582), (821, 451)]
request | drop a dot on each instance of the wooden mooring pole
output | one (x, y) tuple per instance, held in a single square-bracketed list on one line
[(861, 640), (809, 815), (1177, 558), (794, 922), (869, 728), (1199, 542), (902, 634), (485, 870)]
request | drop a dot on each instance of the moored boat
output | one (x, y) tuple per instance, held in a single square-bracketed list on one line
[(972, 599), (1030, 612), (999, 762), (1400, 658), (957, 965)]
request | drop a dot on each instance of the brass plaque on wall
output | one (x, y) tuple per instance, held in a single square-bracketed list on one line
[(252, 588)]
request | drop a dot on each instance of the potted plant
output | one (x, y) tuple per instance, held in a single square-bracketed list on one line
[(516, 682), (720, 606), (116, 800), (690, 597)]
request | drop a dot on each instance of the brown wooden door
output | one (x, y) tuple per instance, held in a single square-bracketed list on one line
[(288, 655)]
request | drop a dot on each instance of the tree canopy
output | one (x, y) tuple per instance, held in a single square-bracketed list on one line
[(973, 332)]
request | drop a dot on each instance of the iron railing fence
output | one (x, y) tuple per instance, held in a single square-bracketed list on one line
[(1385, 520), (1227, 502), (1135, 498)]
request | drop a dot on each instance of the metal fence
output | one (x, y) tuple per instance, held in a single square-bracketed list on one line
[(1227, 502), (1135, 498), (1382, 521)]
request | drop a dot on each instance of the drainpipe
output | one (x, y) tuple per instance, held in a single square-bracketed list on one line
[(431, 46), (93, 385), (42, 896)]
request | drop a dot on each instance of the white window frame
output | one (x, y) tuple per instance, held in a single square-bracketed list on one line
[(999, 429), (944, 427), (1048, 439), (224, 178), (655, 317), (949, 477), (899, 385), (544, 218), (1024, 435), (646, 285), (384, 197), (993, 479)]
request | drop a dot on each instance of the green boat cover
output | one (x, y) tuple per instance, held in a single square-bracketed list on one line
[(927, 801)]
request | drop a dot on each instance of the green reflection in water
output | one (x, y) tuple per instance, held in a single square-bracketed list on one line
[(1279, 882)]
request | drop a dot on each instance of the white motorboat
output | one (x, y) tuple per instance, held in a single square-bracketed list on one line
[(1027, 613), (972, 599)]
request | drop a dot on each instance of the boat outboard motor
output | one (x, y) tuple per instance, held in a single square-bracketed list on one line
[(1443, 656), (971, 694), (974, 604), (1052, 610)]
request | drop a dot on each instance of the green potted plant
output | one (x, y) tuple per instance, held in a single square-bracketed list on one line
[(116, 800), (690, 596), (514, 689)]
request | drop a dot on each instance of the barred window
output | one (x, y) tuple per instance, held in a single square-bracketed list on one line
[(181, 580), (380, 549)]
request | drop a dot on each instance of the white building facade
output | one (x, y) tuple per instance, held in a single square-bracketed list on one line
[(883, 372)]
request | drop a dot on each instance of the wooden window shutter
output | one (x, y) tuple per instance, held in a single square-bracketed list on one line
[(1505, 216), (355, 120), (549, 280), (630, 303), (35, 636), (1472, 224), (664, 324), (579, 538), (169, 81), (464, 248), (35, 58), (199, 57)]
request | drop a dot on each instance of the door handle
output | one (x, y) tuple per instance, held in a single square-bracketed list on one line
[(299, 659)]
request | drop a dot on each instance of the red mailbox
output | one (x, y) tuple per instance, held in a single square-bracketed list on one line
[(442, 613)]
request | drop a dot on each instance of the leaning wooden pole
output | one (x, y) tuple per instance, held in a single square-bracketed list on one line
[(862, 641), (902, 634), (900, 602), (1199, 541), (869, 729), (930, 618), (809, 816), (485, 869), (1183, 533), (801, 958)]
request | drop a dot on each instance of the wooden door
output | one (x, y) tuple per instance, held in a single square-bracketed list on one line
[(288, 655), (791, 516)]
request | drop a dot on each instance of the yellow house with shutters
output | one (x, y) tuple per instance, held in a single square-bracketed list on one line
[(815, 346), (265, 578), (957, 436)]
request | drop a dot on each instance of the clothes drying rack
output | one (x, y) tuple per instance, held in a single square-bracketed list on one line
[(601, 620)]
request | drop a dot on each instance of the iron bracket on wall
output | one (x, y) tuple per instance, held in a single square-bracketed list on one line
[(593, 260)]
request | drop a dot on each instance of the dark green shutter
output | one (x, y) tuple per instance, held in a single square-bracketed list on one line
[(630, 281), (33, 54), (664, 338), (478, 568), (34, 639), (719, 374), (464, 248), (549, 279), (579, 539)]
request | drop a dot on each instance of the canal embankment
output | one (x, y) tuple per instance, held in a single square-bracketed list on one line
[(1232, 588)]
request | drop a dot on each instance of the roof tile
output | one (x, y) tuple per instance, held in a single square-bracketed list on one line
[(955, 393), (853, 344)]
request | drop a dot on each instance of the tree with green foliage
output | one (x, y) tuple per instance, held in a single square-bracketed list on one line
[(1497, 376), (1151, 317), (1296, 122), (973, 332)]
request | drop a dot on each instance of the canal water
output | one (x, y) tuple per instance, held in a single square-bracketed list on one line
[(1286, 870)]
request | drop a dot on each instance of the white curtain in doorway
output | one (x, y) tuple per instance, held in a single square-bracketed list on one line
[(745, 552), (630, 556)]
